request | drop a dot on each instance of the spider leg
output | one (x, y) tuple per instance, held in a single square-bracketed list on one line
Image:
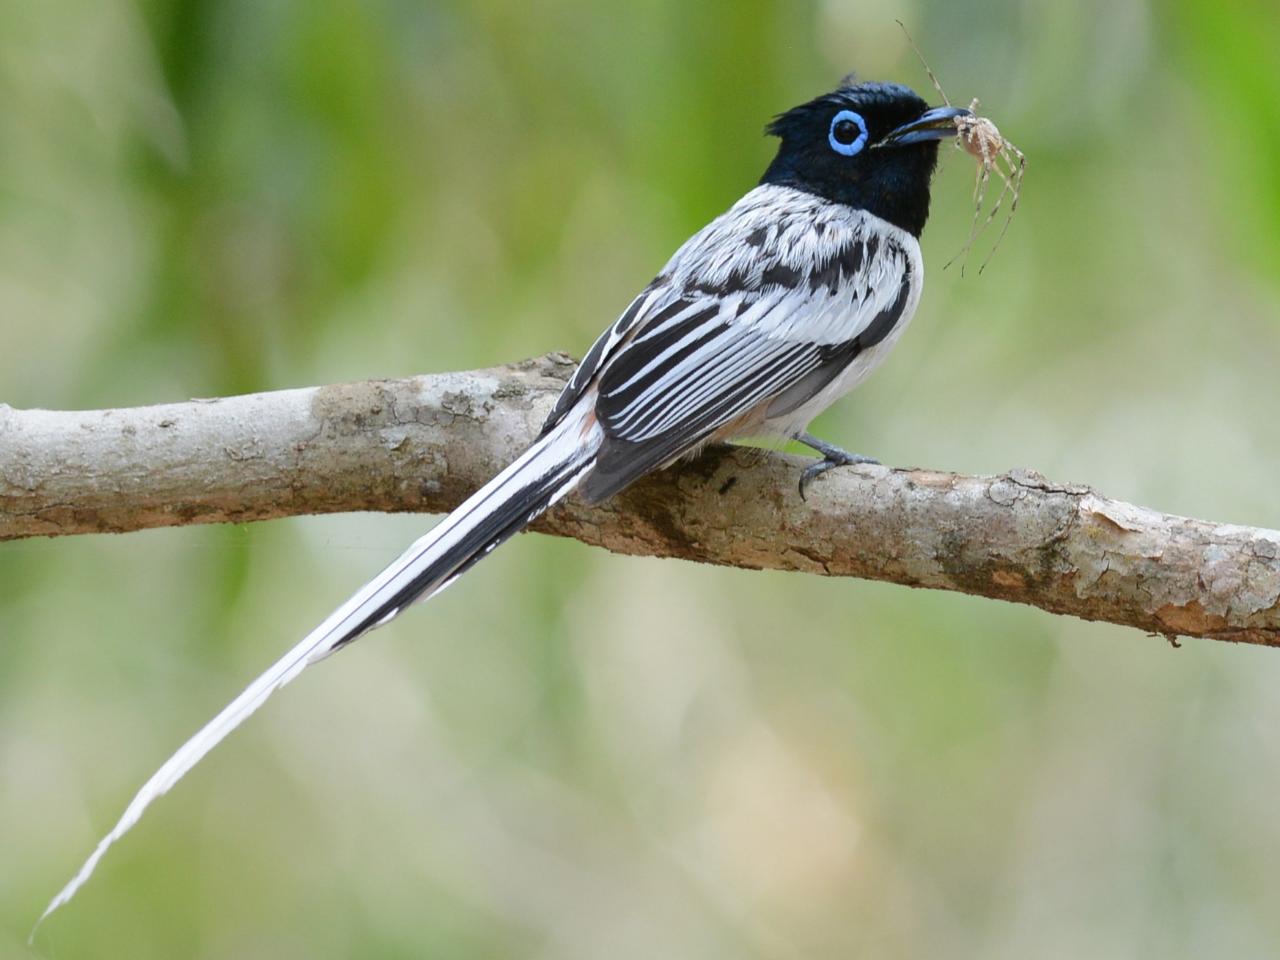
[(995, 209), (1017, 172), (987, 170), (924, 63), (980, 176), (979, 194), (1012, 182), (1004, 189)]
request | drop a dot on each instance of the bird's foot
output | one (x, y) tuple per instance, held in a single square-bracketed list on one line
[(832, 456)]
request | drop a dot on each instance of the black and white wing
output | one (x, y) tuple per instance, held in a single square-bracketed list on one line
[(758, 314)]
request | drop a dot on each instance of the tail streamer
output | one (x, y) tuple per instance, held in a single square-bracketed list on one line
[(541, 476)]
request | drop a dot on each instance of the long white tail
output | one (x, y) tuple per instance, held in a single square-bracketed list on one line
[(547, 471)]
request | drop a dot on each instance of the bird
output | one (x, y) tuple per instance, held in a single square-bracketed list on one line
[(757, 323)]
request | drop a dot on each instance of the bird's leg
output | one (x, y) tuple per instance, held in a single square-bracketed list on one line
[(832, 456)]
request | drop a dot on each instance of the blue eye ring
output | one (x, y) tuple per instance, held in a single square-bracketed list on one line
[(848, 149)]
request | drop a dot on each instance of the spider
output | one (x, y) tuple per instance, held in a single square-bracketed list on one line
[(981, 139)]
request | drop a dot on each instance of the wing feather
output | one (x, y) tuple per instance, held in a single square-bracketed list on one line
[(770, 302)]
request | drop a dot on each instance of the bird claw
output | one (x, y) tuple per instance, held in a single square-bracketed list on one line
[(831, 457)]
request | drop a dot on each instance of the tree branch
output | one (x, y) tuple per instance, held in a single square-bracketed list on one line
[(423, 444)]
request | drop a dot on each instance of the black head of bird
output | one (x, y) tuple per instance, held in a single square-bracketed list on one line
[(872, 146)]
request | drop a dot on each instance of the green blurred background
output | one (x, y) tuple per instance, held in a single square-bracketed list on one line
[(572, 754)]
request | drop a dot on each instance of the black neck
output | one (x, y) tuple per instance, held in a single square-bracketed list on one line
[(896, 191)]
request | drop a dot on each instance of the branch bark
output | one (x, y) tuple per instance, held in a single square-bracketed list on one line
[(425, 443)]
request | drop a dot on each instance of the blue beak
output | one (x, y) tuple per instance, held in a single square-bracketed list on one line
[(937, 123)]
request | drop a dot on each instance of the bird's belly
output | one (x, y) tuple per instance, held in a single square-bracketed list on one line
[(861, 367)]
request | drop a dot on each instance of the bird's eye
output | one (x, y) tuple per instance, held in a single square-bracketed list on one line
[(848, 133)]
